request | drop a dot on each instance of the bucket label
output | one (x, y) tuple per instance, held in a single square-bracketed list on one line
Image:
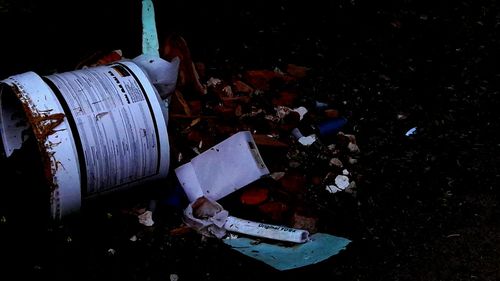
[(115, 122)]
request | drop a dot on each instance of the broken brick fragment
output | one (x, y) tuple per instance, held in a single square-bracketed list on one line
[(293, 182), (308, 223), (297, 71), (254, 195)]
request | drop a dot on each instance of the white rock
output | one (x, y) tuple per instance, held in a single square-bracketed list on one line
[(228, 91), (174, 277), (351, 188), (146, 218), (342, 182), (336, 162), (353, 147), (277, 175), (307, 141), (213, 82), (332, 188), (345, 172)]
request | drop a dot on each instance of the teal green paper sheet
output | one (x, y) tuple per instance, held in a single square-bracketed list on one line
[(150, 44), (320, 247)]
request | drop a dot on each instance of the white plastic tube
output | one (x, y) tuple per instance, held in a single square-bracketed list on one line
[(270, 231)]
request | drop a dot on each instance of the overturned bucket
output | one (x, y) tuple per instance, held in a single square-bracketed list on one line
[(98, 130)]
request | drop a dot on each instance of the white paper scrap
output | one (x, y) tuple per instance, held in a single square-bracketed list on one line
[(301, 111), (307, 141), (222, 169)]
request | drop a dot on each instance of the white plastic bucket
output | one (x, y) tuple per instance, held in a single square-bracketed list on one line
[(98, 129)]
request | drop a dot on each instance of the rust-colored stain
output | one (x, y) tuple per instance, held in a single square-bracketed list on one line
[(43, 124)]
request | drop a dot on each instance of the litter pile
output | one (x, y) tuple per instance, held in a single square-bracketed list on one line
[(259, 144), (253, 151)]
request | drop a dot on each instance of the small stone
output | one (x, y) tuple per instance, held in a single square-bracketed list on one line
[(146, 218), (213, 82), (353, 147), (307, 141), (351, 188), (353, 161), (342, 182), (332, 188), (336, 162), (277, 175)]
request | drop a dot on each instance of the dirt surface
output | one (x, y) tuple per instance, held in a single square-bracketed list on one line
[(426, 206)]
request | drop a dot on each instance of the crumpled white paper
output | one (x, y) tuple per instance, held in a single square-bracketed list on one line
[(207, 217)]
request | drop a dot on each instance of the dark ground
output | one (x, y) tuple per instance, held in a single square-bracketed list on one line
[(428, 206)]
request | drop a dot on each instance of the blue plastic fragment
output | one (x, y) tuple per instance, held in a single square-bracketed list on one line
[(331, 126), (319, 248)]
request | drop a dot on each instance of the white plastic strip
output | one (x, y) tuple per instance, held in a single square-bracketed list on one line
[(264, 230)]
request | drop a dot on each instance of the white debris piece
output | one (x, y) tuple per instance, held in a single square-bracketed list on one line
[(146, 218), (301, 111), (174, 277), (332, 188), (342, 182), (307, 141), (222, 169), (232, 236), (228, 91), (320, 105), (271, 231), (353, 161), (277, 175), (133, 238), (353, 147), (401, 116), (345, 172), (336, 162), (411, 131), (278, 70), (282, 111), (351, 188), (213, 82)]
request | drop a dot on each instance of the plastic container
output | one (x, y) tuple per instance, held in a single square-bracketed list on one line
[(98, 130)]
